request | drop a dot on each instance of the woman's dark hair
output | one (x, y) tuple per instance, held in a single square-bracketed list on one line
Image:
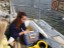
[(17, 21), (21, 14)]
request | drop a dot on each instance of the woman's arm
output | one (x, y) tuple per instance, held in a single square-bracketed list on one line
[(21, 33), (24, 32), (15, 33)]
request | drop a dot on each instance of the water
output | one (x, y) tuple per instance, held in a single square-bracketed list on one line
[(54, 18)]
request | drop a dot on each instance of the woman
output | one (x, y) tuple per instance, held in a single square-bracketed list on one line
[(18, 28)]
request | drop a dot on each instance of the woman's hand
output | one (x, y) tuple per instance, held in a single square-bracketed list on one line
[(21, 33), (26, 32)]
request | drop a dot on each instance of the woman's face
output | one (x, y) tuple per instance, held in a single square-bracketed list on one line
[(23, 19)]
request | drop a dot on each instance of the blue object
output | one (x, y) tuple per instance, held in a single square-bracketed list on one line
[(31, 37)]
